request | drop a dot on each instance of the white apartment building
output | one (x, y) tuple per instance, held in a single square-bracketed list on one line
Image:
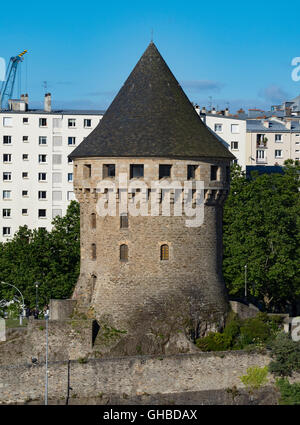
[(36, 177), (231, 131)]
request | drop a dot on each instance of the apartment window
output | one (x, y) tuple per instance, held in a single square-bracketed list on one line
[(87, 123), (109, 170), (71, 141), (234, 146), (278, 138), (56, 213), (235, 128), (25, 175), (24, 211), (43, 122), (7, 140), (6, 194), (42, 213), (42, 177), (56, 195), (7, 157), (71, 122), (70, 160), (6, 212), (25, 156), (6, 231), (42, 140), (164, 252), (124, 252), (25, 193), (260, 154), (57, 122), (42, 194), (56, 177), (214, 172), (25, 120), (42, 158), (87, 171), (70, 196), (124, 221), (56, 159), (7, 176), (70, 177), (218, 128), (191, 171), (136, 170), (278, 153), (7, 122), (25, 139), (164, 171), (93, 251)]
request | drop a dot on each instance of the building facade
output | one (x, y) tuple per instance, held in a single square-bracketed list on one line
[(152, 282), (272, 141), (36, 175)]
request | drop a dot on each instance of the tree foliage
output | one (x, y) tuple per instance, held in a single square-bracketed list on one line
[(262, 229), (50, 258)]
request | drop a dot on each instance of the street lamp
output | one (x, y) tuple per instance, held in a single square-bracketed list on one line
[(36, 296), (46, 376), (23, 304), (246, 282)]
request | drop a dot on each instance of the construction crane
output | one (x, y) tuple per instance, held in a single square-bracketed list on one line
[(8, 85)]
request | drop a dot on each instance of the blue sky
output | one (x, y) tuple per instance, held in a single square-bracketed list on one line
[(233, 51)]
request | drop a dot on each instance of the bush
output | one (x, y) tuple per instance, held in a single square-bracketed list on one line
[(286, 355), (290, 393), (214, 341), (255, 378), (239, 334)]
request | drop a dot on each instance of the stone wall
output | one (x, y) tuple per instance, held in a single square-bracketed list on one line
[(61, 309), (128, 377)]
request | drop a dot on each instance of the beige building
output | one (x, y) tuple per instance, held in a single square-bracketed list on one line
[(272, 141)]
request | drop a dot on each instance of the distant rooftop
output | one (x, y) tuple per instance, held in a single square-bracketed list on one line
[(56, 112)]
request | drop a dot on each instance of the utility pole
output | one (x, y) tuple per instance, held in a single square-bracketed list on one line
[(46, 376), (246, 281)]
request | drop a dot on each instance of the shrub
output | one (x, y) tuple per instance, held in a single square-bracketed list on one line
[(286, 355), (290, 393), (255, 378), (214, 341)]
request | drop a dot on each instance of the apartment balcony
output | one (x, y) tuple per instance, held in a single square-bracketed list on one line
[(261, 145), (261, 161)]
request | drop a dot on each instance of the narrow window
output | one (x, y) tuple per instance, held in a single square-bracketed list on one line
[(43, 122), (164, 171), (71, 122), (87, 123), (42, 213), (93, 221), (109, 170), (136, 170), (124, 221), (94, 251), (164, 252), (87, 171), (191, 172), (213, 172), (124, 252)]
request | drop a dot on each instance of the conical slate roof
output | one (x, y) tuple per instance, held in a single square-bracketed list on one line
[(151, 117)]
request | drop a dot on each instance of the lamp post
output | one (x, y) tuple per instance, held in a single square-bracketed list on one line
[(46, 376), (37, 295), (245, 281), (23, 304)]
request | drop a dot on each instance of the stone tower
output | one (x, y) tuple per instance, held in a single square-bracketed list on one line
[(152, 282)]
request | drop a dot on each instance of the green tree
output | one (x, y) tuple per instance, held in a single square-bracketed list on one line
[(51, 258), (262, 229)]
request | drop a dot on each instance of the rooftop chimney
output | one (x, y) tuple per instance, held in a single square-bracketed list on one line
[(226, 112), (24, 98), (47, 102), (213, 111), (203, 110)]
